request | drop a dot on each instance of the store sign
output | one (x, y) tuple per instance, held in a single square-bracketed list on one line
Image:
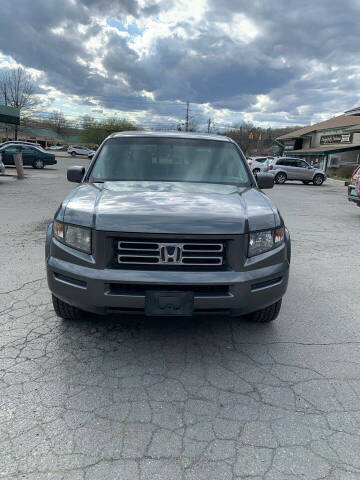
[(339, 138)]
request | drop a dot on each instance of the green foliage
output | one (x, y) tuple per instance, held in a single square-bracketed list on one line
[(94, 132)]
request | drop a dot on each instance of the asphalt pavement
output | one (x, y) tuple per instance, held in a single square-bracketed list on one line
[(200, 399)]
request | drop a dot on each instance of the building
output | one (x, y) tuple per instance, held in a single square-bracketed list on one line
[(45, 136), (331, 144)]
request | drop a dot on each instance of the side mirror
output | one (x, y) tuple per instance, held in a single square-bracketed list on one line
[(75, 174), (265, 180)]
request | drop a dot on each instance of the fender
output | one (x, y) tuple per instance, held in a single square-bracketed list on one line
[(288, 244), (49, 234)]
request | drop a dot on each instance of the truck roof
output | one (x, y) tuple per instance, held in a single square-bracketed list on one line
[(193, 135)]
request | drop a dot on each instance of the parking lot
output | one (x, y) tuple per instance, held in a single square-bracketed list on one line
[(201, 399)]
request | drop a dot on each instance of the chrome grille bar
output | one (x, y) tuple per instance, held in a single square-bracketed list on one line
[(141, 252)]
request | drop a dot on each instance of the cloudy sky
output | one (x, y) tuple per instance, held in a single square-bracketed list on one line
[(280, 62)]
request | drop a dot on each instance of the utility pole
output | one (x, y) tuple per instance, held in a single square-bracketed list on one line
[(187, 117)]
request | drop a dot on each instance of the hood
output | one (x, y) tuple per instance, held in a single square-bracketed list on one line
[(169, 207)]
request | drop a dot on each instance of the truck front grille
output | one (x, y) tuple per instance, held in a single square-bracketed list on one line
[(194, 253)]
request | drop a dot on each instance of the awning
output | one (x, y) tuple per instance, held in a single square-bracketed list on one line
[(323, 150)]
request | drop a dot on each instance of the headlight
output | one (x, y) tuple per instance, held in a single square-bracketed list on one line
[(260, 242), (73, 236)]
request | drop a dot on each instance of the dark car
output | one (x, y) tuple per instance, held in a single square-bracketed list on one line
[(168, 224), (32, 156), (353, 195)]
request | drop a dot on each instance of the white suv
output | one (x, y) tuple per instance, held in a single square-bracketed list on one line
[(259, 164), (79, 150)]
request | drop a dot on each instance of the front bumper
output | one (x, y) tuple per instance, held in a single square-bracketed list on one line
[(50, 161), (111, 290)]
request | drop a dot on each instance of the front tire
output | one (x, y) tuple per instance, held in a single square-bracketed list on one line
[(38, 163), (64, 310), (280, 178), (318, 180), (266, 315)]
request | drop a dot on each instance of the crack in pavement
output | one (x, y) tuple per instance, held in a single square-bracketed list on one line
[(133, 399)]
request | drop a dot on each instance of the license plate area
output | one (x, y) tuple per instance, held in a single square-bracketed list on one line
[(169, 303)]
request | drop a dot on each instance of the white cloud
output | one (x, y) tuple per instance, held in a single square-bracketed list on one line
[(235, 60)]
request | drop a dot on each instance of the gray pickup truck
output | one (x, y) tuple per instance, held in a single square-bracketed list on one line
[(168, 224)]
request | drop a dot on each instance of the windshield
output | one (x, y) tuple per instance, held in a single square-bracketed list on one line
[(169, 159)]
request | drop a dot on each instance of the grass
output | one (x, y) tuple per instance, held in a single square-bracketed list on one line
[(343, 179)]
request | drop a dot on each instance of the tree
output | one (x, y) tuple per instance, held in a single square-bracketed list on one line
[(243, 135), (87, 121), (94, 132), (17, 90), (253, 139), (57, 121)]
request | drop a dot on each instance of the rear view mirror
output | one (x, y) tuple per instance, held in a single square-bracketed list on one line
[(75, 174), (265, 180)]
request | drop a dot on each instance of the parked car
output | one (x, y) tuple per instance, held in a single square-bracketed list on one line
[(2, 166), (168, 224), (287, 168), (55, 147), (32, 156), (79, 150), (259, 164), (21, 142), (353, 195)]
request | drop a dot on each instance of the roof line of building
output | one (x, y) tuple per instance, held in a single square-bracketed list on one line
[(334, 123)]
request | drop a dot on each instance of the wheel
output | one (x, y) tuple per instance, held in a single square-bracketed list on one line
[(266, 315), (306, 182), (38, 163), (318, 180), (64, 310), (280, 178), (73, 154), (256, 171)]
